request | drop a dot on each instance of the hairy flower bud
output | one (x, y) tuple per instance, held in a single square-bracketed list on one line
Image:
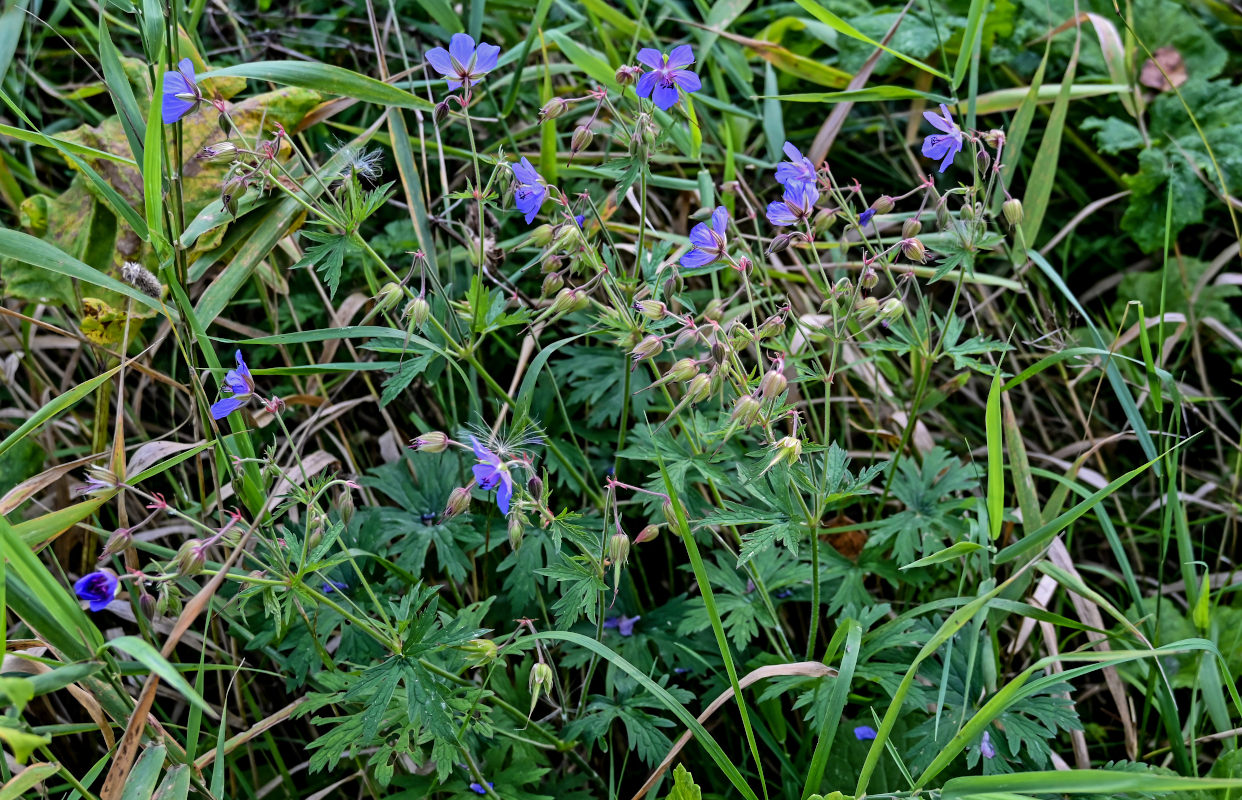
[(619, 548), (388, 296), (191, 558), (568, 300), (516, 531), (581, 139), (869, 278), (147, 604), (480, 651), (683, 369), (552, 283), (714, 310), (994, 138), (699, 387), (458, 502), (984, 159), (647, 534), (787, 450), (535, 487), (628, 74), (345, 506), (968, 211), (746, 410), (772, 326), (1012, 209), (430, 442), (866, 308), (650, 347), (168, 602), (780, 242), (540, 681), (911, 228), (773, 384), (441, 112), (822, 221), (541, 234), (651, 309), (891, 310), (883, 204), (120, 539), (913, 249), (553, 109), (418, 311)]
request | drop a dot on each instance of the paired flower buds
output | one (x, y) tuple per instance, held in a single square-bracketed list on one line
[(569, 300), (541, 678), (419, 311), (787, 450), (866, 308)]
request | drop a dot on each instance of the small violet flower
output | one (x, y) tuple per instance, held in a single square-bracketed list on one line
[(795, 206), (864, 733), (477, 788), (492, 473), (944, 146), (240, 385), (865, 217), (668, 74), (181, 93), (334, 586), (529, 190), (463, 64), (708, 240), (986, 747), (798, 169), (97, 588), (623, 624)]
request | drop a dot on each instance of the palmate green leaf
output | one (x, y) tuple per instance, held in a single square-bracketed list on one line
[(581, 586), (327, 257)]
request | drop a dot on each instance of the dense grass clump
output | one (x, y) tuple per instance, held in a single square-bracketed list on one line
[(637, 399)]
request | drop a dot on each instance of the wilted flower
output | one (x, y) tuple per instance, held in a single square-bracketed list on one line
[(623, 624), (99, 480), (181, 93), (667, 75), (709, 241), (334, 586), (529, 191), (864, 733), (493, 473), (477, 788), (796, 205), (240, 384), (218, 150), (463, 64), (944, 146), (120, 539), (97, 588), (430, 442), (986, 747), (797, 170), (650, 347)]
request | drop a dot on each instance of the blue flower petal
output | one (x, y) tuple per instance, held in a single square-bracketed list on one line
[(665, 97)]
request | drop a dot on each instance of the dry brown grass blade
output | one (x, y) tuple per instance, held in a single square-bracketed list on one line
[(203, 761), (809, 669), (123, 761), (32, 486), (832, 126)]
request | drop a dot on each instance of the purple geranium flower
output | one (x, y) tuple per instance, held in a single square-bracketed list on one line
[(944, 146), (865, 217), (492, 473), (334, 586), (97, 588), (798, 169), (986, 747), (529, 191), (623, 624), (668, 74), (477, 788), (708, 240), (796, 205), (864, 733), (181, 93), (463, 64), (239, 383)]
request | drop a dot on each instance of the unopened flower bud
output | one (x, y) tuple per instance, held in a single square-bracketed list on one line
[(619, 548), (651, 309), (581, 139), (553, 109), (650, 347), (891, 310), (968, 211), (866, 308), (418, 311), (911, 228), (746, 410), (744, 264), (699, 387), (772, 326), (220, 150), (120, 539), (683, 369), (535, 487), (458, 502), (647, 534), (430, 442), (540, 681), (714, 309), (191, 558), (883, 204), (773, 383), (780, 242), (516, 531), (823, 219), (168, 602), (984, 159), (869, 278), (994, 138), (552, 283), (686, 337), (480, 651), (388, 296), (628, 74), (670, 513), (441, 112), (345, 506), (913, 249), (147, 604), (541, 235), (1012, 209), (568, 300)]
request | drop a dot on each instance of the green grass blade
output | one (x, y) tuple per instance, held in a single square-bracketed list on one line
[(327, 79)]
